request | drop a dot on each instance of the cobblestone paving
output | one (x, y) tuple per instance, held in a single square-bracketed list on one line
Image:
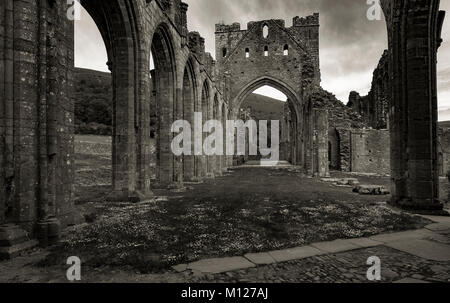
[(347, 267)]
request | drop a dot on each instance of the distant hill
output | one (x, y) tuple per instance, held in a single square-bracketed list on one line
[(264, 108), (93, 102), (445, 124)]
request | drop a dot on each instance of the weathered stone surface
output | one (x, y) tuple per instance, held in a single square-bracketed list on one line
[(423, 248), (260, 258), (438, 227), (365, 242), (215, 266), (13, 251), (180, 268), (401, 236), (371, 190), (336, 246), (295, 253)]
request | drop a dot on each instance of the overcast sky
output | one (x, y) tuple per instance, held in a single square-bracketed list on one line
[(350, 44)]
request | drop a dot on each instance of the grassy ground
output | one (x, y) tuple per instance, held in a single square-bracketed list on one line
[(249, 210)]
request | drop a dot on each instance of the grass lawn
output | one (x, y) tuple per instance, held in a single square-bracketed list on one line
[(249, 210)]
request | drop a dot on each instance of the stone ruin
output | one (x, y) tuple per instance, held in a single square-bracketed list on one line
[(37, 110)]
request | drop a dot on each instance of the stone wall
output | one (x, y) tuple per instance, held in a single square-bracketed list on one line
[(248, 60), (370, 151), (341, 120), (374, 108), (444, 151)]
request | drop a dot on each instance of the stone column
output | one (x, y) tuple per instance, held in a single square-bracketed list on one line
[(414, 34), (320, 159)]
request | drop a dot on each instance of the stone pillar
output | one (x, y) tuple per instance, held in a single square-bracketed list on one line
[(224, 158), (143, 144), (179, 176), (414, 35), (320, 143), (36, 123), (184, 30)]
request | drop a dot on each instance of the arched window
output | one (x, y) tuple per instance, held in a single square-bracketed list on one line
[(247, 53), (265, 31), (224, 52), (286, 50), (266, 51)]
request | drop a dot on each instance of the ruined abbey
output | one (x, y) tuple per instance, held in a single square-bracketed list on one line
[(391, 131)]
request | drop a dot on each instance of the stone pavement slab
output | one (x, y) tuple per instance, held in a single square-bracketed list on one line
[(336, 246), (437, 219), (410, 281), (400, 236), (365, 242), (423, 248), (260, 258), (295, 253), (438, 227), (220, 265)]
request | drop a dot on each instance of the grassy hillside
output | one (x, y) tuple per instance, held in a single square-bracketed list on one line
[(264, 108), (93, 102), (445, 124)]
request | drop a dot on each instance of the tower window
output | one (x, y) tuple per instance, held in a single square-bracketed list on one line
[(266, 51), (265, 31), (286, 50), (247, 53), (224, 52)]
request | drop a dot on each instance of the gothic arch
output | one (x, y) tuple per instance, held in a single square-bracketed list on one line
[(207, 115), (165, 87), (266, 81), (294, 102), (189, 95)]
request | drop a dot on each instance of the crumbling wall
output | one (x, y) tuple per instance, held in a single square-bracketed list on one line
[(341, 118), (245, 57), (444, 151), (374, 108), (370, 151)]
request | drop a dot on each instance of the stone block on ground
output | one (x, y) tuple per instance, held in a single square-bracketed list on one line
[(14, 241), (220, 265), (10, 252), (424, 249), (410, 281), (260, 258), (376, 190), (365, 242), (295, 253), (336, 246), (400, 236)]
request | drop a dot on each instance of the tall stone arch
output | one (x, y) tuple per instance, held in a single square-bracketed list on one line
[(294, 102), (168, 105), (207, 115), (190, 106)]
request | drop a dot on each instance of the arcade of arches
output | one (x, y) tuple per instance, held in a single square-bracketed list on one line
[(37, 111)]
